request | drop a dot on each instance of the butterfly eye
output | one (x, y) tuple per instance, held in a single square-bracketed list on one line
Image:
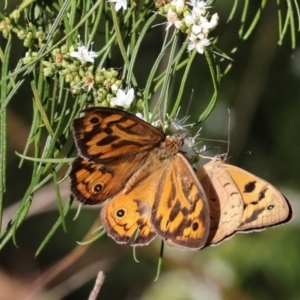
[(181, 143), (97, 188), (120, 213)]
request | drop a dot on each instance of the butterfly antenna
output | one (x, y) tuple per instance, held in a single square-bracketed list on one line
[(228, 133), (214, 140)]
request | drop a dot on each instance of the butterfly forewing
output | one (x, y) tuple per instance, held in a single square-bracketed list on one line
[(240, 201), (113, 145), (107, 135), (264, 205)]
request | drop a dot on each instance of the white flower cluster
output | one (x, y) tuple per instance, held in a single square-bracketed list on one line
[(175, 126), (197, 22)]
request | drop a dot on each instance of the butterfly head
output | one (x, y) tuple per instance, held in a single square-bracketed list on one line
[(170, 146)]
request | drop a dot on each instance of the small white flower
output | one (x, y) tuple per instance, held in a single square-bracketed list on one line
[(114, 88), (199, 42), (86, 83), (192, 140), (119, 4), (89, 82), (140, 115), (201, 5), (155, 121), (202, 150), (179, 4), (196, 18), (196, 29), (123, 99), (189, 19), (179, 124), (189, 141), (190, 147), (83, 54), (178, 24), (171, 18), (214, 20)]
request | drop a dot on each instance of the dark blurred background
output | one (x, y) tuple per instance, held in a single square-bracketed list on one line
[(262, 91)]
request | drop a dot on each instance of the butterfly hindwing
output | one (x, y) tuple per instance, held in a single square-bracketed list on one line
[(180, 212), (225, 202), (93, 183), (128, 215)]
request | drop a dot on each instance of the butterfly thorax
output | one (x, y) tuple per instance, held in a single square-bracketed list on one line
[(170, 146)]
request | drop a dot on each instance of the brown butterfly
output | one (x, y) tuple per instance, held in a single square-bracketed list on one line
[(240, 201), (155, 191), (153, 187)]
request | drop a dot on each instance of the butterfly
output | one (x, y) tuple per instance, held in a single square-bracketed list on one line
[(240, 201), (155, 191), (153, 187)]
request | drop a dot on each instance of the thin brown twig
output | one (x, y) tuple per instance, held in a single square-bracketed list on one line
[(98, 284)]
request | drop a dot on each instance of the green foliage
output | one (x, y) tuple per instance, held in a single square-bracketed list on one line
[(37, 56)]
